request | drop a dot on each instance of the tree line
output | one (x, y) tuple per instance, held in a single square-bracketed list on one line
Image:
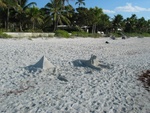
[(19, 15)]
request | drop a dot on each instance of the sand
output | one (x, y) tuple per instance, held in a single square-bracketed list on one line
[(74, 89)]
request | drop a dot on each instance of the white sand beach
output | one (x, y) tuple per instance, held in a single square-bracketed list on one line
[(113, 88)]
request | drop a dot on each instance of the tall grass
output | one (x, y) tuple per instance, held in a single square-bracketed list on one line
[(85, 34), (62, 34), (4, 35), (118, 34)]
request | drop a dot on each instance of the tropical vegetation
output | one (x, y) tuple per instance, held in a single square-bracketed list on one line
[(21, 16)]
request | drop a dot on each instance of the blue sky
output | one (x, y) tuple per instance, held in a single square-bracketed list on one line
[(113, 7)]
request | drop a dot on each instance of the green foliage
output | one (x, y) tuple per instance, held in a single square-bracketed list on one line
[(34, 30), (42, 35), (59, 12), (85, 34), (80, 34), (62, 33), (80, 2), (19, 15), (138, 34), (118, 34), (95, 35), (117, 22), (90, 17), (35, 16), (4, 35), (50, 36), (146, 34)]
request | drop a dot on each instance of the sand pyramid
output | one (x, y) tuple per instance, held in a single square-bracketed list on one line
[(43, 63)]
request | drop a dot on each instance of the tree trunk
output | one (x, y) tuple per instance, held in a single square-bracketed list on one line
[(93, 28), (7, 20), (55, 25), (33, 26), (6, 25), (20, 26)]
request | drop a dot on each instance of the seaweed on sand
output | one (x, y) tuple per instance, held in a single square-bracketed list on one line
[(145, 79)]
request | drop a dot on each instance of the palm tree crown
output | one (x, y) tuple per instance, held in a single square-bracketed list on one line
[(80, 2)]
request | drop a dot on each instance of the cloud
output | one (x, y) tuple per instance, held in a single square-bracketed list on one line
[(108, 11), (130, 8), (147, 18)]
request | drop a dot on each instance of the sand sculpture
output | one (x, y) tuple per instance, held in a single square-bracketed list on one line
[(43, 64), (93, 62)]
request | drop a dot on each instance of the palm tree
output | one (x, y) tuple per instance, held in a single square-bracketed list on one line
[(131, 23), (21, 12), (2, 4), (59, 14), (94, 17), (35, 16), (117, 22), (80, 2), (141, 25), (62, 1), (148, 26), (8, 4), (104, 24), (47, 19), (81, 12)]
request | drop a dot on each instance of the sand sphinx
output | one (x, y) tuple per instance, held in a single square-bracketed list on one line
[(93, 63)]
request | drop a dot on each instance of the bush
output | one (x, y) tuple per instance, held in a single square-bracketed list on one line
[(95, 35), (62, 33), (50, 36), (4, 35), (85, 34), (145, 34), (117, 34), (137, 34), (134, 34), (34, 31), (79, 34)]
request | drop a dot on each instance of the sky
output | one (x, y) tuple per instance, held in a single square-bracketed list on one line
[(112, 7)]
